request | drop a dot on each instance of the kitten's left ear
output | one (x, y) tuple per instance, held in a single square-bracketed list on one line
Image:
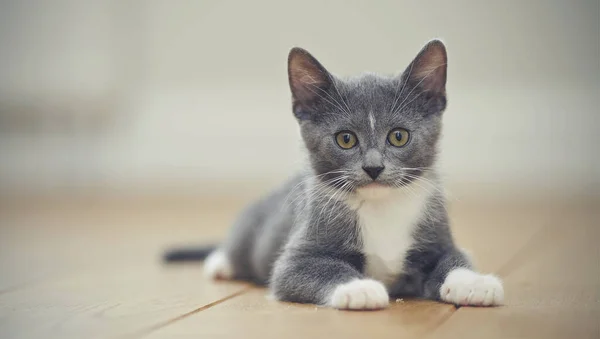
[(428, 69), (427, 74), (309, 80)]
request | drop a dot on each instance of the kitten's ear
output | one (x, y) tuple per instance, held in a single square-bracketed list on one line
[(309, 81), (427, 73), (428, 69)]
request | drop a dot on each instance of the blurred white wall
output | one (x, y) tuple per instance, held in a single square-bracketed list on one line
[(167, 93)]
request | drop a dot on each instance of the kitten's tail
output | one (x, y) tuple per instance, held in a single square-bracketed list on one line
[(188, 254)]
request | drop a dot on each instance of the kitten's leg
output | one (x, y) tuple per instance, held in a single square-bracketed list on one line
[(268, 244), (232, 259), (327, 280), (454, 281)]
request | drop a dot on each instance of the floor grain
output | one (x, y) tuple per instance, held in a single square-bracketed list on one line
[(90, 268), (253, 315), (553, 290)]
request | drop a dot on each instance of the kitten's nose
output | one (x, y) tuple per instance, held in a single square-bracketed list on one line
[(374, 171)]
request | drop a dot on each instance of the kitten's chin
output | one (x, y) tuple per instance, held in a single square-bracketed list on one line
[(374, 191)]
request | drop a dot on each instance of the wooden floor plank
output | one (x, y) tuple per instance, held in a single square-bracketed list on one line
[(553, 293), (254, 315), (92, 269), (56, 236), (107, 303), (493, 232)]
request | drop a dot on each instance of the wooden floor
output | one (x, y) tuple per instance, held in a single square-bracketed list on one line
[(89, 268)]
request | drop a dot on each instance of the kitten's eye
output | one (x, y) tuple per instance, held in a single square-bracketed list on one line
[(346, 140), (398, 137)]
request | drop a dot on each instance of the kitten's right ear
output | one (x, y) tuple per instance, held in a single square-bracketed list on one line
[(309, 81)]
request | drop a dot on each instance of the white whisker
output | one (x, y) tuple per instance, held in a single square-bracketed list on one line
[(403, 81)]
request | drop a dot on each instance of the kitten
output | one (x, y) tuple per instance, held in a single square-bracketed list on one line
[(367, 219)]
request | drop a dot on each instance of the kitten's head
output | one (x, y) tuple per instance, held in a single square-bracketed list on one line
[(370, 132)]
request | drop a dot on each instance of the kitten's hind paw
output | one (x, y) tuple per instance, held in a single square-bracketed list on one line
[(217, 266), (465, 287), (360, 294)]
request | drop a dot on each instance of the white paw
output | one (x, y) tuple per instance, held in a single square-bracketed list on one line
[(217, 266), (465, 287), (360, 294)]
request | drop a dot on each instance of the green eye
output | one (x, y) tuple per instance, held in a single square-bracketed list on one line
[(346, 140), (398, 137)]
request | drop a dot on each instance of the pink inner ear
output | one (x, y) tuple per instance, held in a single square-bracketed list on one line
[(430, 65), (430, 69), (306, 77), (305, 85)]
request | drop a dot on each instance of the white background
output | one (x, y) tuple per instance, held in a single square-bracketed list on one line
[(147, 94)]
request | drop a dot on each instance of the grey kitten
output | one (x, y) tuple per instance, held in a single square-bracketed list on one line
[(367, 219)]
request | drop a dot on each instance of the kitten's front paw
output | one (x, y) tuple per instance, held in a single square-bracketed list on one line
[(465, 287), (217, 266), (360, 294)]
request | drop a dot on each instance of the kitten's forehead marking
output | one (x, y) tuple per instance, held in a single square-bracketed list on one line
[(372, 121)]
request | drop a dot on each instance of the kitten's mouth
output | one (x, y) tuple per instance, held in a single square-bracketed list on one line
[(373, 191), (373, 185)]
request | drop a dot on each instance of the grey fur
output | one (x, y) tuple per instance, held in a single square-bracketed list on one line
[(304, 239)]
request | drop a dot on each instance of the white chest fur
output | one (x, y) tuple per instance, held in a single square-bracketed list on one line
[(387, 221)]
